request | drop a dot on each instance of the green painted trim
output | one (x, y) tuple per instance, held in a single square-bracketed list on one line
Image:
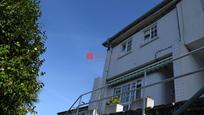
[(139, 72)]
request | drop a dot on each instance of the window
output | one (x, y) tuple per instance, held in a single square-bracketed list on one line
[(117, 92), (126, 47), (138, 92), (129, 45), (154, 31), (125, 107), (128, 95), (150, 33), (125, 96), (133, 87), (147, 35)]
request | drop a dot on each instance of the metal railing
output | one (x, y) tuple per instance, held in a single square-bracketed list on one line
[(189, 102), (79, 100)]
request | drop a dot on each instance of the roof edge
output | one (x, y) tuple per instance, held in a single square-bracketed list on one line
[(138, 20)]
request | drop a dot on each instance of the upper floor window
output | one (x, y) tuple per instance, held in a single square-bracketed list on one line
[(150, 33), (126, 46), (129, 45)]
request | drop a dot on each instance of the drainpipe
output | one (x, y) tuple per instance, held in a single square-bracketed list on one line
[(182, 24), (109, 61), (106, 74), (178, 23)]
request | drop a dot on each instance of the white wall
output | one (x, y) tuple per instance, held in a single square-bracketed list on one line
[(161, 93), (191, 18), (98, 83), (191, 14), (192, 29), (157, 92), (168, 34), (187, 86)]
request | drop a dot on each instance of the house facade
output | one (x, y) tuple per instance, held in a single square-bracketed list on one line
[(142, 54)]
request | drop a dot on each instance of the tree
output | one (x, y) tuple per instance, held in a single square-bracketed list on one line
[(21, 45)]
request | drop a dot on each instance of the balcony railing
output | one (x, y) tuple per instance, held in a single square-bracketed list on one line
[(79, 99)]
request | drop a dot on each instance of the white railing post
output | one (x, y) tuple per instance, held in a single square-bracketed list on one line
[(144, 98)]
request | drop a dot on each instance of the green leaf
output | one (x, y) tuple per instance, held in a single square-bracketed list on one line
[(21, 45)]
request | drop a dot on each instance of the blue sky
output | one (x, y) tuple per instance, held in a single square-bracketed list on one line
[(75, 27)]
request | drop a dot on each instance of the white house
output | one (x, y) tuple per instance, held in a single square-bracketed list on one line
[(148, 45), (141, 54)]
